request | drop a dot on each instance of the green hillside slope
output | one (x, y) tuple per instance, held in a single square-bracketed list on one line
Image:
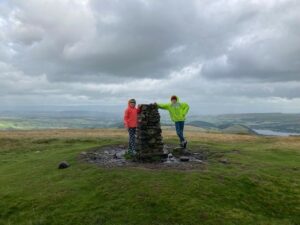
[(259, 184)]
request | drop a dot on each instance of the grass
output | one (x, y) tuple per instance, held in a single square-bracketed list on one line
[(260, 185)]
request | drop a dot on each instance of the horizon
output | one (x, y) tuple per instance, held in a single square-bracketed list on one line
[(117, 110)]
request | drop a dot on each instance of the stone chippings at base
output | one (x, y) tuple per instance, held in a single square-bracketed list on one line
[(149, 141)]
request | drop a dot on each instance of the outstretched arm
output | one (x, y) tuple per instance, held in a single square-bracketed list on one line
[(163, 106)]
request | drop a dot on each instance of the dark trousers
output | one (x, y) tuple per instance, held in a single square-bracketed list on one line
[(131, 142), (179, 130)]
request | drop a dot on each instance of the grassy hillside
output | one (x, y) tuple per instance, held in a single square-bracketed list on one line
[(54, 123), (259, 185)]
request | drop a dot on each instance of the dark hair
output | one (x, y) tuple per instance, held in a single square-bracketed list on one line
[(174, 97), (132, 100)]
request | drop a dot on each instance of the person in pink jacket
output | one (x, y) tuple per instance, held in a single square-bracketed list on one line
[(130, 122)]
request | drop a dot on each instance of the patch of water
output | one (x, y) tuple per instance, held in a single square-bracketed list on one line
[(274, 133)]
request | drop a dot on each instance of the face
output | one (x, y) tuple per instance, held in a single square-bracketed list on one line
[(174, 101), (132, 104)]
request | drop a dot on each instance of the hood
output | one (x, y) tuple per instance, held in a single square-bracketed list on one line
[(128, 104)]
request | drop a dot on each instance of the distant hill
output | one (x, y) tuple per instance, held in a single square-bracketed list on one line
[(202, 124), (282, 122), (242, 123), (237, 129)]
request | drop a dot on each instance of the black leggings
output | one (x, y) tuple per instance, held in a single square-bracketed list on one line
[(131, 132)]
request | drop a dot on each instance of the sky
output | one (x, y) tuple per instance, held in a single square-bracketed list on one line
[(221, 56)]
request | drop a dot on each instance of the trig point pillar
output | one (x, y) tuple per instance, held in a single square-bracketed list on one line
[(149, 143)]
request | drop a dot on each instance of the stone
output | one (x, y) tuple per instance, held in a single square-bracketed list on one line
[(184, 159), (119, 155), (223, 160), (149, 142), (63, 165), (199, 156), (170, 157), (115, 156)]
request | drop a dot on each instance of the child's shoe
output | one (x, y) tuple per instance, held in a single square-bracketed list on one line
[(184, 144)]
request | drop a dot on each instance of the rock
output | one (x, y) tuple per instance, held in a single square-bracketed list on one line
[(122, 146), (118, 155), (63, 165), (166, 151), (184, 159), (198, 160), (198, 156), (170, 157), (180, 151), (83, 153), (186, 152), (224, 160)]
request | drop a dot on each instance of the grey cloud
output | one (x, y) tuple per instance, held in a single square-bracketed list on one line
[(118, 38), (269, 50)]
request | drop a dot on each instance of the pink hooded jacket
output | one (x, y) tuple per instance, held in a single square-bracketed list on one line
[(130, 117)]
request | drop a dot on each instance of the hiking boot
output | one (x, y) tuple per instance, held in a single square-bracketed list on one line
[(184, 144)]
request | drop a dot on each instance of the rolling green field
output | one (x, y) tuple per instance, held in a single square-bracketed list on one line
[(259, 185)]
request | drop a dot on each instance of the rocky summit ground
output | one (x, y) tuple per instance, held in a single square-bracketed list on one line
[(245, 179), (116, 156)]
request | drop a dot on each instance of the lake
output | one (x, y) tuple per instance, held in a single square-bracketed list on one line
[(274, 133)]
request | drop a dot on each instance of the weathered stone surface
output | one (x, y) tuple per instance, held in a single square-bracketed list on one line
[(63, 165), (149, 142)]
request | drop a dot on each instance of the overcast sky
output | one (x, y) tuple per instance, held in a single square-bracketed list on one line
[(221, 56)]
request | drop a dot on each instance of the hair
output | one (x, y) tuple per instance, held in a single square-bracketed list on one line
[(132, 100), (174, 97)]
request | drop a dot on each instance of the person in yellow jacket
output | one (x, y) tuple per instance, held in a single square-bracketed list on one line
[(178, 111)]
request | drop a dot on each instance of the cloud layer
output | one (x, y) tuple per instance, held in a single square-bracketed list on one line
[(221, 56)]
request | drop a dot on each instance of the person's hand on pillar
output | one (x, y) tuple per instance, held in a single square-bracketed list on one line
[(139, 108)]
